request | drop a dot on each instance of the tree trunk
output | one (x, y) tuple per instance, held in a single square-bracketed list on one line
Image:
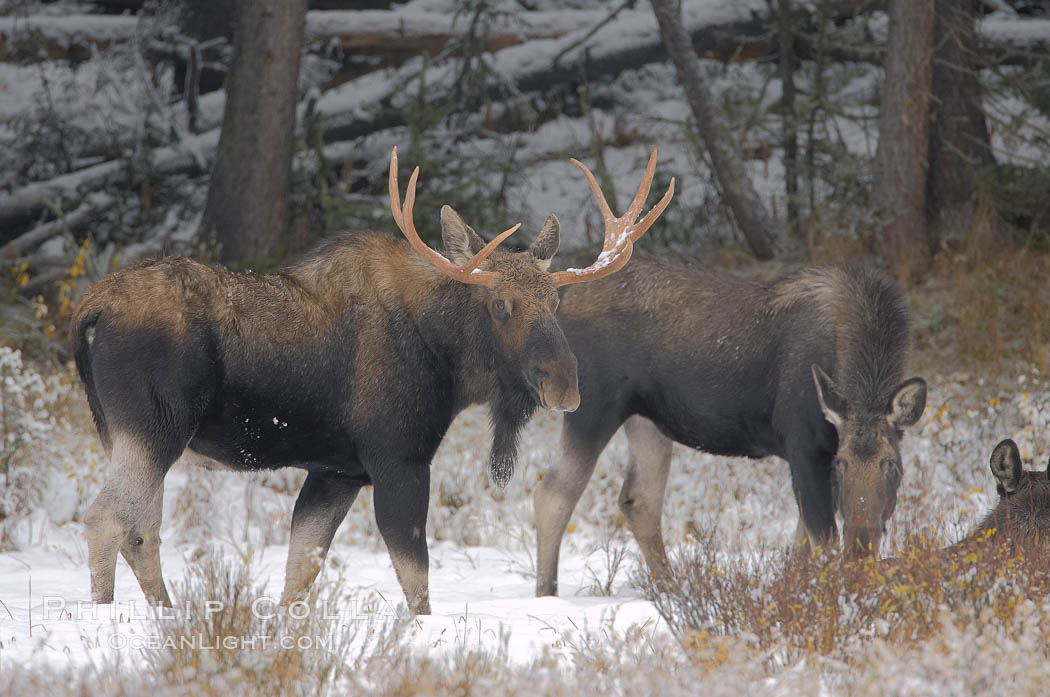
[(788, 121), (900, 160), (960, 148), (247, 206), (754, 220)]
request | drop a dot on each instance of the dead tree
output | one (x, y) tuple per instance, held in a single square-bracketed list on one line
[(755, 223), (247, 204)]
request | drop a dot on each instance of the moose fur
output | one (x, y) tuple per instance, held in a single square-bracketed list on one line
[(350, 364), (809, 368)]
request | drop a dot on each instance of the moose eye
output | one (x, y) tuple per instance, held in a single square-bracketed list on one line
[(890, 468), (499, 309)]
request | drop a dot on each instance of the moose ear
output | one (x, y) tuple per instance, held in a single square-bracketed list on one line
[(831, 401), (546, 244), (908, 403), (461, 242), (1005, 464)]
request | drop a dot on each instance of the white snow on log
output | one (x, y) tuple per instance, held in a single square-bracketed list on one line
[(68, 30), (631, 29), (1020, 33), (365, 25)]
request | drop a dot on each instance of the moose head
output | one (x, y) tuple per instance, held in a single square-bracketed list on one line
[(519, 298), (867, 468)]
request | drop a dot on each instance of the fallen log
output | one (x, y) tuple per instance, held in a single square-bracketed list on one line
[(71, 37), (93, 205), (369, 104), (371, 32), (193, 153), (385, 32)]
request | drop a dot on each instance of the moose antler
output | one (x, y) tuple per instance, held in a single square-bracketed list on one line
[(620, 233), (466, 273)]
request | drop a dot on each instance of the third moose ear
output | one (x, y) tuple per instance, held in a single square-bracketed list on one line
[(831, 401), (1005, 464)]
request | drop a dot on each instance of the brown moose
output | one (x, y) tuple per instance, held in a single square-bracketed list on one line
[(351, 364)]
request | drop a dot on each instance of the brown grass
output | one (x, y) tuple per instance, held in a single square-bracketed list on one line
[(790, 606), (995, 309)]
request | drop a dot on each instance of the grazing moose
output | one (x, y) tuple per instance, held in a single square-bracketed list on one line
[(1020, 521), (350, 364), (1022, 515), (809, 368)]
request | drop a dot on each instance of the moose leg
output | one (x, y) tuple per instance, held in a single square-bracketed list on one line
[(559, 491), (322, 504), (402, 497), (125, 503), (642, 495), (141, 550), (811, 482)]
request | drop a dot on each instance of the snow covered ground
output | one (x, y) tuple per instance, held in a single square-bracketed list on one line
[(482, 539), (481, 600)]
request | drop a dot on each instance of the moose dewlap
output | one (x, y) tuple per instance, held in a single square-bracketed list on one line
[(366, 349)]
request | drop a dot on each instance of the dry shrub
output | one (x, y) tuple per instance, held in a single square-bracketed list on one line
[(835, 234), (225, 636), (988, 307), (638, 662), (792, 605)]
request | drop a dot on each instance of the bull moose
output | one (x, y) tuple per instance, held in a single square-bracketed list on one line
[(350, 364), (809, 368)]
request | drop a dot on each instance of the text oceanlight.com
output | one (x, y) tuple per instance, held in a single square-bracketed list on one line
[(202, 642)]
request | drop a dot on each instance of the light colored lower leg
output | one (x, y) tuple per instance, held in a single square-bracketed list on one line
[(414, 576), (141, 549), (316, 518), (553, 503), (124, 500), (642, 495), (402, 497)]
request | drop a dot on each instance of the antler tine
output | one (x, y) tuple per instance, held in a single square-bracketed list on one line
[(635, 209), (650, 218), (395, 193), (607, 213), (466, 273), (620, 232)]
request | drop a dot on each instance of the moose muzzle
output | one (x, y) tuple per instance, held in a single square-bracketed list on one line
[(555, 383), (861, 541)]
